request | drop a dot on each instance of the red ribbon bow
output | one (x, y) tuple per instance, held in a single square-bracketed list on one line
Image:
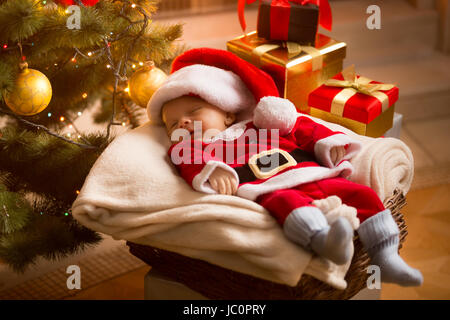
[(325, 17)]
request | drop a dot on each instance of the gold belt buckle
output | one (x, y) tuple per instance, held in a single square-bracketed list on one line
[(263, 174)]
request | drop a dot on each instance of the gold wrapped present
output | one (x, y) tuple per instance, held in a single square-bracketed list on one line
[(361, 104), (296, 69)]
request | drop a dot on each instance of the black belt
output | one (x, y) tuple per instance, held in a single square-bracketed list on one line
[(264, 164)]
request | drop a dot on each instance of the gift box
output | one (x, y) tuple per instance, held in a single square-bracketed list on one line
[(365, 106), (297, 23), (290, 20), (296, 69)]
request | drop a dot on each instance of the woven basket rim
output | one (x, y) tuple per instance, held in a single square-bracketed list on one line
[(202, 276)]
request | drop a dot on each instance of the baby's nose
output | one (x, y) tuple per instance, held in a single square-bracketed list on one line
[(184, 122)]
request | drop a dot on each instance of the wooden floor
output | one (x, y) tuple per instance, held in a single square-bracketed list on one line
[(427, 248), (129, 286)]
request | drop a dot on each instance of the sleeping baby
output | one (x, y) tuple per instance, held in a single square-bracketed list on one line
[(280, 160)]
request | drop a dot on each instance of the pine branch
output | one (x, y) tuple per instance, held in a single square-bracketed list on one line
[(6, 77), (51, 233), (133, 114), (46, 130), (46, 165), (177, 49), (14, 211), (20, 20), (55, 33), (103, 114)]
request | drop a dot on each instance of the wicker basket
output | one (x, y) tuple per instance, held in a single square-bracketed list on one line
[(215, 282)]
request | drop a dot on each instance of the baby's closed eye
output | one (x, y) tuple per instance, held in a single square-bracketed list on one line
[(195, 110)]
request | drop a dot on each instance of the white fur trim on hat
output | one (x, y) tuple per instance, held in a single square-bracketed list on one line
[(219, 87), (275, 113)]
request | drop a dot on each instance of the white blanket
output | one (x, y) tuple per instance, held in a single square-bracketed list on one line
[(383, 164), (134, 193)]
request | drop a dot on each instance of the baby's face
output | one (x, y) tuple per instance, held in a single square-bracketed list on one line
[(181, 113)]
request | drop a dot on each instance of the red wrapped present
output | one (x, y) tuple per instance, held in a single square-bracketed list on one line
[(290, 20), (358, 103)]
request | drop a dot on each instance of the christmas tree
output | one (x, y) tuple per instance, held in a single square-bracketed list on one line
[(57, 58)]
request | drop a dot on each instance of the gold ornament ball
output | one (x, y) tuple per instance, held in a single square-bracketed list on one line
[(144, 82), (31, 94)]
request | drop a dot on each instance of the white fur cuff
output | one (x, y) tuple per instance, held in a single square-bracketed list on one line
[(200, 182), (323, 147)]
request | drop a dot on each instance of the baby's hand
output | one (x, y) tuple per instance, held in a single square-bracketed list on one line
[(337, 154), (223, 181)]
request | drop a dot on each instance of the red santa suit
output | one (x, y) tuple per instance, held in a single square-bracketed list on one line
[(282, 173)]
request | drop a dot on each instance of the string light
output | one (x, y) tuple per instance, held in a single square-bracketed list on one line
[(62, 119), (70, 126), (133, 66), (126, 89), (108, 66), (89, 53), (69, 134), (74, 60), (84, 95), (5, 46), (133, 5), (141, 63), (123, 124), (79, 113), (49, 114), (78, 191)]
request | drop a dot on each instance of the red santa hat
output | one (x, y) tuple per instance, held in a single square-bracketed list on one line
[(228, 82)]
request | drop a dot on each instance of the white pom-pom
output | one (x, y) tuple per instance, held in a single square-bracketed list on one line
[(275, 113)]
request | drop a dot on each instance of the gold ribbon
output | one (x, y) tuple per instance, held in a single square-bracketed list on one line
[(259, 51), (353, 85), (293, 49)]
